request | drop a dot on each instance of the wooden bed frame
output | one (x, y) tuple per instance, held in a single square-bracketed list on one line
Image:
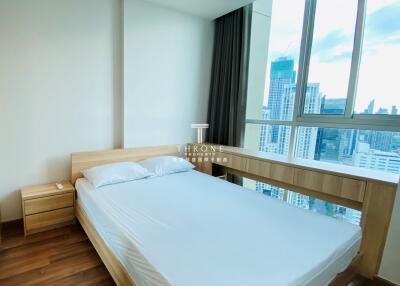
[(371, 195), (83, 160)]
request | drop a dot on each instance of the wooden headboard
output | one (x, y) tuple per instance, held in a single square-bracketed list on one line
[(83, 160)]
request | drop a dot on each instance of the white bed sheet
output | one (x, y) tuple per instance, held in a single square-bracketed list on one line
[(190, 229)]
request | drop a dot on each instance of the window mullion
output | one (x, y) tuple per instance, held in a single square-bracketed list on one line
[(292, 142), (304, 59), (356, 59), (302, 76)]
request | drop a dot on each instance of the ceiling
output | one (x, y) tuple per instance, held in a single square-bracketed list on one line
[(209, 9)]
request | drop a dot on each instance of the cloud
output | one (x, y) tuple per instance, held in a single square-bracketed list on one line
[(395, 41), (382, 27), (383, 22), (328, 42), (335, 46), (338, 57)]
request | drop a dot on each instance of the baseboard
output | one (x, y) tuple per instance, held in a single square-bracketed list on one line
[(11, 223), (383, 282), (11, 226)]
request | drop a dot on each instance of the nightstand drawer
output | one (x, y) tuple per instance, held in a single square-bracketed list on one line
[(48, 203), (48, 220)]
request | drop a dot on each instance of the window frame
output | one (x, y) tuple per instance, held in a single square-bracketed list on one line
[(349, 120)]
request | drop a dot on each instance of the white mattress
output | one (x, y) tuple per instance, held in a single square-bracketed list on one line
[(190, 229)]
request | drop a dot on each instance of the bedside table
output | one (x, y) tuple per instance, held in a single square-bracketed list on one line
[(45, 207)]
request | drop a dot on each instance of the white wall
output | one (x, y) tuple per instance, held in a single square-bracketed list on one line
[(59, 89), (167, 63), (61, 83), (391, 258), (259, 46)]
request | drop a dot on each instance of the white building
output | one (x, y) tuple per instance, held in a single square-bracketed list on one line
[(306, 136), (365, 157)]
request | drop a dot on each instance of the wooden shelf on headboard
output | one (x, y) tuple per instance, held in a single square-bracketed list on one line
[(369, 191)]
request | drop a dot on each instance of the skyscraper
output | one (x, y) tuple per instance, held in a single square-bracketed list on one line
[(281, 74), (265, 144), (394, 110), (370, 108), (379, 140), (273, 138), (382, 111), (333, 144), (307, 136), (332, 105)]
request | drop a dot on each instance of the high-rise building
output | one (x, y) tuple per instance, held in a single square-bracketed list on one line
[(332, 105), (265, 141), (379, 140), (365, 157), (333, 144), (286, 111), (327, 147), (307, 136), (281, 73), (370, 108), (382, 111), (299, 200), (347, 144), (394, 110)]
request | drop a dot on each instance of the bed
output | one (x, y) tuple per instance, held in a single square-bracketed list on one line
[(194, 229)]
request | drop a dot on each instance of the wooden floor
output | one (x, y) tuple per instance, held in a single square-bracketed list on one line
[(59, 257)]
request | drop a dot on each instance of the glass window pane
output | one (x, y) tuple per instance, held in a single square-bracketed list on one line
[(324, 207), (265, 189), (331, 54), (268, 138), (377, 91), (274, 52), (281, 90), (304, 202), (378, 150), (283, 55)]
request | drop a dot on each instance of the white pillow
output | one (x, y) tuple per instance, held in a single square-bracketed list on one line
[(115, 173), (165, 165)]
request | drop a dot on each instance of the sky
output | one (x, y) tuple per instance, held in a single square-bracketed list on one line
[(333, 43)]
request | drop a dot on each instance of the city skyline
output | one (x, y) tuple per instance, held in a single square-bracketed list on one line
[(280, 107), (332, 48), (370, 108), (370, 149)]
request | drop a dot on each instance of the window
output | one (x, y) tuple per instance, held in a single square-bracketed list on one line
[(371, 149), (378, 81), (271, 138), (329, 91), (331, 55), (281, 49), (305, 202)]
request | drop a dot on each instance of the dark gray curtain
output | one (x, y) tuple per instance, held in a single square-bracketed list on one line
[(228, 90)]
